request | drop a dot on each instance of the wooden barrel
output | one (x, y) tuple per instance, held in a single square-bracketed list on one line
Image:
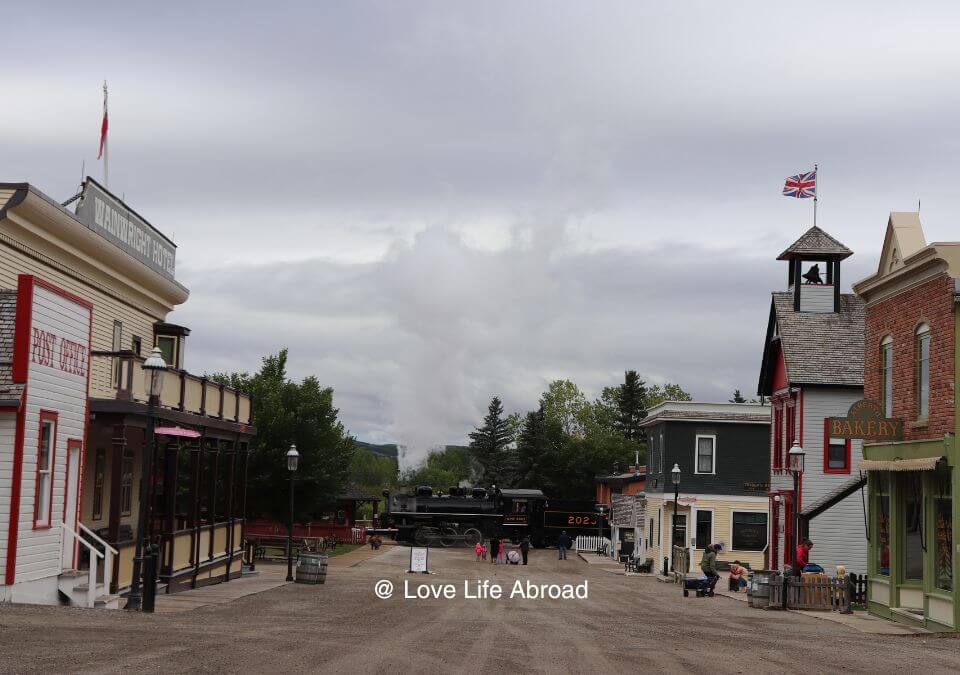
[(311, 568)]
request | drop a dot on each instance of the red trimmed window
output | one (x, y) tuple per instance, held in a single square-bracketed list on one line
[(46, 461), (791, 430), (777, 435), (836, 452)]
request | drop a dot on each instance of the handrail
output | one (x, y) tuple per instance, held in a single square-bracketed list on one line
[(97, 538), (92, 574)]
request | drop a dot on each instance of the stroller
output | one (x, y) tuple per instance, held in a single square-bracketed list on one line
[(697, 583)]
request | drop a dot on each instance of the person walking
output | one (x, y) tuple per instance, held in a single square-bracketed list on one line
[(563, 543), (525, 548), (709, 566), (494, 549), (479, 550)]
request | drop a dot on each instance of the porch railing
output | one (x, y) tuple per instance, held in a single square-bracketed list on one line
[(106, 555), (181, 390), (680, 561)]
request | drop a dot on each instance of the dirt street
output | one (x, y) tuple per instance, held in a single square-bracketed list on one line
[(626, 625)]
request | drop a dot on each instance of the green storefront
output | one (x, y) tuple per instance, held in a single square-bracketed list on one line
[(913, 521)]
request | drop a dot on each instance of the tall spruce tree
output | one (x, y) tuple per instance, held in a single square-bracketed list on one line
[(737, 397), (631, 404), (532, 451), (490, 445)]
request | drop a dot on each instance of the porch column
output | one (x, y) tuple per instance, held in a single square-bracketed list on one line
[(231, 457), (117, 448), (170, 478), (212, 504), (196, 491)]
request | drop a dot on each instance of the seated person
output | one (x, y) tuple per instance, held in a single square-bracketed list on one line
[(738, 576)]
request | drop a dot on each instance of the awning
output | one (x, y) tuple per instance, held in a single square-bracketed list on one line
[(177, 431), (920, 464)]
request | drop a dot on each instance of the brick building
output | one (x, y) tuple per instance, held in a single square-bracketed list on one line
[(911, 372)]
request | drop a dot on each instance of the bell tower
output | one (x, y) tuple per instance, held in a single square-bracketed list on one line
[(814, 271)]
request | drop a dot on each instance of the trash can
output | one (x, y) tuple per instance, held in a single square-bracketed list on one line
[(760, 588), (311, 568)]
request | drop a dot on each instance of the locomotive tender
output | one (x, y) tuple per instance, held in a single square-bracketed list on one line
[(467, 515)]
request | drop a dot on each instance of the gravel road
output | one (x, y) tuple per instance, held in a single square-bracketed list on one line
[(626, 625)]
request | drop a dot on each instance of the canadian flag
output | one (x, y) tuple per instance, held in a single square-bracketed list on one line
[(103, 125)]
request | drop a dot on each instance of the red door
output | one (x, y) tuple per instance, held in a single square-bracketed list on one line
[(773, 553), (787, 529)]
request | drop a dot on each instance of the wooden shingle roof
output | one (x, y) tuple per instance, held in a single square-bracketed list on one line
[(822, 348), (816, 242)]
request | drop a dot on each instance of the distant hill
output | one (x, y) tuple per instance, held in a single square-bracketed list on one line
[(384, 450)]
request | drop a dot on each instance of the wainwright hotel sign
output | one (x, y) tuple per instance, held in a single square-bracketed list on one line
[(115, 221)]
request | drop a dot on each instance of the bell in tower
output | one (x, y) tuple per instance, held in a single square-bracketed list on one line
[(811, 291)]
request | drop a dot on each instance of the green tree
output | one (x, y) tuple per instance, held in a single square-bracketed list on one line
[(372, 472), (668, 392), (533, 451), (287, 412), (564, 404), (442, 468), (631, 406), (490, 445), (737, 397)]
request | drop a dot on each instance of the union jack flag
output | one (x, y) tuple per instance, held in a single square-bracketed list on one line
[(801, 186)]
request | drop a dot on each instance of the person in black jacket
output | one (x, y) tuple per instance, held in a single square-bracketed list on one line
[(563, 543), (525, 548), (494, 549)]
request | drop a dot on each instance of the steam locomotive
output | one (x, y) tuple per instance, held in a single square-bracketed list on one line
[(467, 515)]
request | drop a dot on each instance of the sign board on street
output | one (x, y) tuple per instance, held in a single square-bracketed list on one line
[(418, 560)]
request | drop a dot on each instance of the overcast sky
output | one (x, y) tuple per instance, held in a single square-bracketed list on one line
[(433, 202)]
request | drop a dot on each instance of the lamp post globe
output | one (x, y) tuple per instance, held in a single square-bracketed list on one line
[(293, 458), (153, 369)]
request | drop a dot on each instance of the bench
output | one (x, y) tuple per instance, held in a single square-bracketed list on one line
[(634, 565)]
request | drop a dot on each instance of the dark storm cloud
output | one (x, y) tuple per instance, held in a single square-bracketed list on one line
[(433, 202)]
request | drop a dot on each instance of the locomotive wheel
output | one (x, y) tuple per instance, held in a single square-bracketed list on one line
[(420, 537), (448, 537), (472, 537)]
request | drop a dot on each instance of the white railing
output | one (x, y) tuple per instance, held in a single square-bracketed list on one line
[(106, 556), (108, 550), (590, 543)]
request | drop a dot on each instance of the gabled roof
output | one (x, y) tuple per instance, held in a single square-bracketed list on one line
[(816, 242), (817, 348)]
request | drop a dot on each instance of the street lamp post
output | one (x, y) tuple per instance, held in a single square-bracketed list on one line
[(675, 478), (153, 369), (292, 458), (796, 456), (600, 511)]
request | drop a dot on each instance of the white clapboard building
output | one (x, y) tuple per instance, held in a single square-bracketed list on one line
[(812, 369), (43, 426)]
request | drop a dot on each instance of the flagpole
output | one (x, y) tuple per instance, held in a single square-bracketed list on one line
[(106, 145), (816, 194)]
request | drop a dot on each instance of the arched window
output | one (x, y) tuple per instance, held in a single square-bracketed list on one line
[(886, 376), (923, 371)]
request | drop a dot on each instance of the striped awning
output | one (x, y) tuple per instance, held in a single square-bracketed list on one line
[(920, 464)]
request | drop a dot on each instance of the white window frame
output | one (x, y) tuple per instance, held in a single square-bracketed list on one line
[(713, 526), (662, 451), (696, 455), (923, 332), (763, 511), (886, 375)]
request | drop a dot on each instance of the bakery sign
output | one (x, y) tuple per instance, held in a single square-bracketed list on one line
[(116, 222), (865, 420)]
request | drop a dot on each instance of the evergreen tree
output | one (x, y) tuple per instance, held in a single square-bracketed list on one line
[(532, 451), (631, 404), (737, 397), (490, 445)]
